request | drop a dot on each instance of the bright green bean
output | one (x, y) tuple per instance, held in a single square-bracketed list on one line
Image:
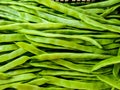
[(17, 78), (88, 39), (4, 76), (11, 37), (8, 47), (72, 66), (22, 71), (14, 63), (18, 26), (39, 81), (46, 45), (102, 4), (49, 65), (29, 47), (106, 62), (14, 54), (116, 68), (60, 42), (26, 87), (65, 73), (112, 46), (80, 56), (78, 15), (74, 84), (109, 80)]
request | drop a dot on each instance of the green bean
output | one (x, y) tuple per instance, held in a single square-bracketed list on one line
[(10, 16), (93, 16), (101, 4), (26, 87), (11, 37), (21, 15), (65, 73), (109, 80), (74, 84), (69, 22), (8, 9), (4, 76), (117, 40), (53, 18), (106, 62), (49, 65), (105, 41), (14, 54), (88, 39), (110, 52), (80, 56), (18, 78), (116, 67), (78, 15), (113, 16), (109, 27), (94, 10), (109, 36), (14, 63), (115, 20), (46, 45), (72, 66), (70, 31), (60, 42), (82, 10), (56, 88), (22, 71), (82, 78), (18, 26), (5, 22), (8, 47), (29, 47), (34, 87), (3, 87), (30, 18), (102, 41), (39, 81), (112, 46)]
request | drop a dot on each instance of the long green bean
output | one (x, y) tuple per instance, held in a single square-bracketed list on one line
[(80, 56), (14, 63), (14, 54), (18, 26), (88, 39), (106, 62), (8, 47), (29, 47)]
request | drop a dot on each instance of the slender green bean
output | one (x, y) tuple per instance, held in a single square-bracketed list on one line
[(22, 71), (11, 37), (102, 4), (60, 42), (12, 55), (80, 56), (29, 47), (18, 26), (74, 84), (109, 80), (106, 62), (88, 39), (14, 63), (8, 47), (18, 78)]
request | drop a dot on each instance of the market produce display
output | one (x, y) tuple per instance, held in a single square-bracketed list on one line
[(48, 45)]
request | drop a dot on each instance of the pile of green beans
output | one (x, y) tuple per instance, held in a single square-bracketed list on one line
[(48, 45)]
